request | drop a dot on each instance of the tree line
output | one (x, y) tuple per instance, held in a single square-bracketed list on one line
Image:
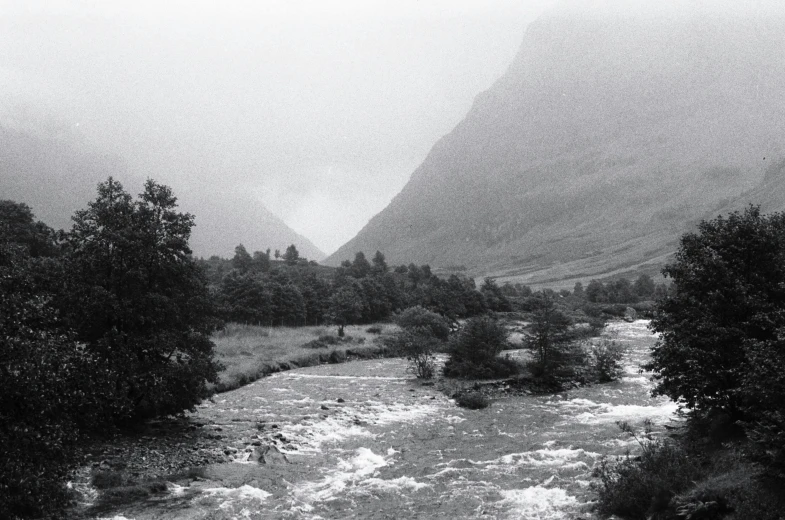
[(254, 289)]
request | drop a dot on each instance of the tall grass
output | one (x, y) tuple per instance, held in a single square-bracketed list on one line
[(249, 352)]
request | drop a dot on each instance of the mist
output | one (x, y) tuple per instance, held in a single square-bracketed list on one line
[(318, 111)]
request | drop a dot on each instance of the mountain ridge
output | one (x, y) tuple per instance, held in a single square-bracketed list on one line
[(599, 146)]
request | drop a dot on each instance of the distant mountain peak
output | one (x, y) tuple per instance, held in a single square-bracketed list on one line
[(605, 140)]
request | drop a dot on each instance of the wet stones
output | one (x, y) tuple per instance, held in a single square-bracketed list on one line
[(268, 455), (340, 400)]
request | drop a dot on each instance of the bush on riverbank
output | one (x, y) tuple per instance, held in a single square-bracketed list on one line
[(637, 487), (474, 352)]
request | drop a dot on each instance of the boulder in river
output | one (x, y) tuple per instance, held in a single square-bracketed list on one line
[(268, 455)]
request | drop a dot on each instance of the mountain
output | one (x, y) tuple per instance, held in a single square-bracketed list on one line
[(607, 138), (55, 171)]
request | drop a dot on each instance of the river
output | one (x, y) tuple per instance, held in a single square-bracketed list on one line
[(366, 440)]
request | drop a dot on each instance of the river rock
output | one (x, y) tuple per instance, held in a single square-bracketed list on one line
[(268, 455)]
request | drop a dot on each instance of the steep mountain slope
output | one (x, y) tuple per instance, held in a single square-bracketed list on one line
[(606, 139), (57, 174)]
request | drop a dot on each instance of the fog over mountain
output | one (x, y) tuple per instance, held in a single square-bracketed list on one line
[(611, 133), (55, 170), (314, 110)]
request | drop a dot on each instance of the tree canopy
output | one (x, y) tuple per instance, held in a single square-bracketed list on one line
[(722, 347)]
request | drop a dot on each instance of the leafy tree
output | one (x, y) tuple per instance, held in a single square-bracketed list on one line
[(379, 264), (551, 336), (644, 287), (474, 352), (18, 226), (241, 261), (375, 293), (246, 299), (291, 256), (415, 318), (578, 291), (596, 293), (620, 291), (277, 254), (721, 347), (347, 306), (50, 387), (137, 300), (360, 267), (494, 298), (261, 261)]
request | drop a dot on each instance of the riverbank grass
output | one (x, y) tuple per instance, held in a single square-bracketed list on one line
[(249, 352)]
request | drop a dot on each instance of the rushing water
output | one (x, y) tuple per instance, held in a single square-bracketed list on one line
[(366, 440)]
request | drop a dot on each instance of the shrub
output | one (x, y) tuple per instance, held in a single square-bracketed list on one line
[(639, 487), (472, 401), (418, 346), (721, 347), (374, 330), (423, 319), (474, 353), (605, 356)]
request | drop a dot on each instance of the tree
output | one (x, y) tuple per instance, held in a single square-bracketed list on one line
[(721, 347), (494, 298), (596, 293), (644, 287), (277, 254), (18, 226), (347, 305), (417, 318), (474, 352), (360, 267), (49, 389), (291, 256), (550, 336), (379, 264), (578, 291), (241, 261), (261, 261), (137, 299)]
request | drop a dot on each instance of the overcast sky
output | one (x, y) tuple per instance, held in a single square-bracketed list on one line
[(319, 109)]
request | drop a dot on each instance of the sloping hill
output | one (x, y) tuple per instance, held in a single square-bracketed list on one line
[(57, 174), (605, 140)]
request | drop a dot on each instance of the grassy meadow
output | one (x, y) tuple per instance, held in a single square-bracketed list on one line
[(249, 352)]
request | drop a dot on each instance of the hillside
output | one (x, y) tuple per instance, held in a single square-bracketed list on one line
[(605, 140), (56, 174)]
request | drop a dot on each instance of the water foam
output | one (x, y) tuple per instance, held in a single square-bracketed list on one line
[(538, 502)]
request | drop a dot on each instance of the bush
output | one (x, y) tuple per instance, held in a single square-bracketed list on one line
[(374, 330), (418, 347), (605, 356), (639, 487), (423, 319), (472, 401), (474, 353), (721, 347)]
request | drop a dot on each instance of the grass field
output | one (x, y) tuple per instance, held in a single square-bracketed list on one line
[(249, 352)]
